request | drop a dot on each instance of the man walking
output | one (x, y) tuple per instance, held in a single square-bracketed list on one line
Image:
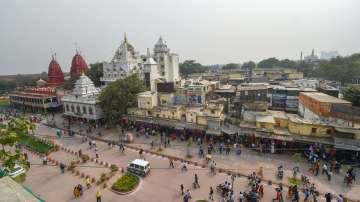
[(196, 183), (171, 163), (98, 196), (211, 194), (182, 189)]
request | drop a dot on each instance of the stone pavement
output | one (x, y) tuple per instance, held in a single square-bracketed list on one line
[(246, 163), (162, 184)]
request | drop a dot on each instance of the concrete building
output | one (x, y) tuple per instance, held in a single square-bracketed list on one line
[(147, 100), (317, 107), (251, 97), (38, 100), (82, 103)]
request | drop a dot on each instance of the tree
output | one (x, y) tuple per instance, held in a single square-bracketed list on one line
[(286, 63), (352, 94), (119, 95), (268, 63), (190, 67), (95, 73), (341, 69), (9, 136), (231, 66), (249, 65)]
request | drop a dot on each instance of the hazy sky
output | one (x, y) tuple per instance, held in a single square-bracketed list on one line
[(209, 31)]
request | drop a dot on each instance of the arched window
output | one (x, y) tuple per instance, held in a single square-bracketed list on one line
[(84, 109), (67, 107), (90, 110), (72, 108), (78, 109)]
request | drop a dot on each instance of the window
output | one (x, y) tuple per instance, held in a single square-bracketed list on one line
[(313, 130), (67, 107), (148, 103), (72, 108), (90, 110), (246, 92), (328, 131), (213, 111), (78, 109), (84, 109)]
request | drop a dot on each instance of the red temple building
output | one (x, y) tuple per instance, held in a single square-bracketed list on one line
[(78, 66)]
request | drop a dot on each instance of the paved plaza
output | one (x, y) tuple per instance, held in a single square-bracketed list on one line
[(163, 183)]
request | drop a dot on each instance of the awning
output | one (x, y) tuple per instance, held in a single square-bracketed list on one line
[(228, 131), (213, 132), (347, 144), (312, 139)]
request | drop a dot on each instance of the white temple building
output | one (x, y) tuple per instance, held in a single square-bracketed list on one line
[(125, 62), (168, 63), (82, 102)]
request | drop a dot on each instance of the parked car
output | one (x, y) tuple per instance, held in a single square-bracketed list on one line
[(139, 167), (14, 172)]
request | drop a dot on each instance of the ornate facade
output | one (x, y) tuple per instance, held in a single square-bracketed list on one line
[(82, 102), (125, 61)]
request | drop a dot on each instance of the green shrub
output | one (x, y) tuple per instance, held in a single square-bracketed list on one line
[(35, 144), (114, 168), (294, 181), (126, 183), (85, 158), (20, 178)]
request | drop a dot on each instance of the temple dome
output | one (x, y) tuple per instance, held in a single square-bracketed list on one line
[(78, 66), (55, 74)]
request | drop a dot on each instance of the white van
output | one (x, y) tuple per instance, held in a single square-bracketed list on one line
[(139, 167)]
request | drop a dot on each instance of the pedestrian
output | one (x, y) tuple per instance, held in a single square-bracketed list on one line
[(211, 194), (290, 192), (80, 153), (340, 198), (76, 192), (45, 160), (324, 169), (329, 174), (317, 168), (306, 194), (80, 188), (196, 182), (109, 144), (261, 191), (278, 196), (328, 197), (25, 156), (188, 194), (88, 182), (171, 163), (98, 196), (182, 189), (295, 194), (62, 167)]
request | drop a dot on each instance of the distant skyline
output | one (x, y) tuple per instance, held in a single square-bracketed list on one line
[(208, 31)]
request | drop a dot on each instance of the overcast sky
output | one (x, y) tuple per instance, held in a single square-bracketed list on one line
[(209, 31)]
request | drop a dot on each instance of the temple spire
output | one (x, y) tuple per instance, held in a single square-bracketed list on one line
[(148, 52)]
